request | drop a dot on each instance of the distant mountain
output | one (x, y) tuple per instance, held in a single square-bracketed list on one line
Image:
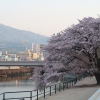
[(15, 35)]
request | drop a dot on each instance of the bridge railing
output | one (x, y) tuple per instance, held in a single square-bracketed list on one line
[(50, 90)]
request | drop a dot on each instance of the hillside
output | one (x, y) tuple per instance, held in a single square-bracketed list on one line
[(15, 35)]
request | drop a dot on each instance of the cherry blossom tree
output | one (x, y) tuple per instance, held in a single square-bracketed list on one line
[(75, 49)]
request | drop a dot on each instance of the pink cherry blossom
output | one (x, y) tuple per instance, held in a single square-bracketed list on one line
[(75, 49)]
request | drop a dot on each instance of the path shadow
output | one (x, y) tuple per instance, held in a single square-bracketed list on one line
[(87, 85)]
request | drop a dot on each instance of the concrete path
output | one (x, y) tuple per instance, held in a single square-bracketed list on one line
[(83, 90)]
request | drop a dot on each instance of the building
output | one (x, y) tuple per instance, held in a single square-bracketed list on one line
[(27, 55), (0, 53), (33, 46), (12, 57), (37, 47), (3, 58)]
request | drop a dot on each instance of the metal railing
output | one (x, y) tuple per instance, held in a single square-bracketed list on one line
[(52, 88)]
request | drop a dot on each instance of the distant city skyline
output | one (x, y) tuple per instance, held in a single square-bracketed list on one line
[(46, 17)]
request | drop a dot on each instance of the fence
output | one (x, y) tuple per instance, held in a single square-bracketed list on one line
[(52, 88)]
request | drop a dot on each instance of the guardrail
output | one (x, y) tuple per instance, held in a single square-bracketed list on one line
[(52, 88)]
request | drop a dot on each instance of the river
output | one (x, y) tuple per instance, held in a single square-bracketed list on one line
[(12, 84), (18, 83)]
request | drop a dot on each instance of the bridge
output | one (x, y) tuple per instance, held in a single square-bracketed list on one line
[(22, 63)]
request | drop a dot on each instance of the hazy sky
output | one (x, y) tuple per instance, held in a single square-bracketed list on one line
[(46, 16)]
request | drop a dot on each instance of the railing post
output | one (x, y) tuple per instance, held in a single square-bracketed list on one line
[(4, 96), (75, 80), (44, 93), (67, 85), (55, 88), (50, 90), (63, 86), (31, 95), (37, 94), (59, 87), (72, 82)]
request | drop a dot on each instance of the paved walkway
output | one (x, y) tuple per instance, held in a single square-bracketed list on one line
[(81, 91)]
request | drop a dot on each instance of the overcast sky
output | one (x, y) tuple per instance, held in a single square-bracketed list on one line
[(46, 16)]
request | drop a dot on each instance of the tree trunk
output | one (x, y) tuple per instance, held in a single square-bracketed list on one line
[(97, 76)]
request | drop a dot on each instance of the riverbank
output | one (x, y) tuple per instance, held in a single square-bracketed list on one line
[(15, 72), (83, 90)]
